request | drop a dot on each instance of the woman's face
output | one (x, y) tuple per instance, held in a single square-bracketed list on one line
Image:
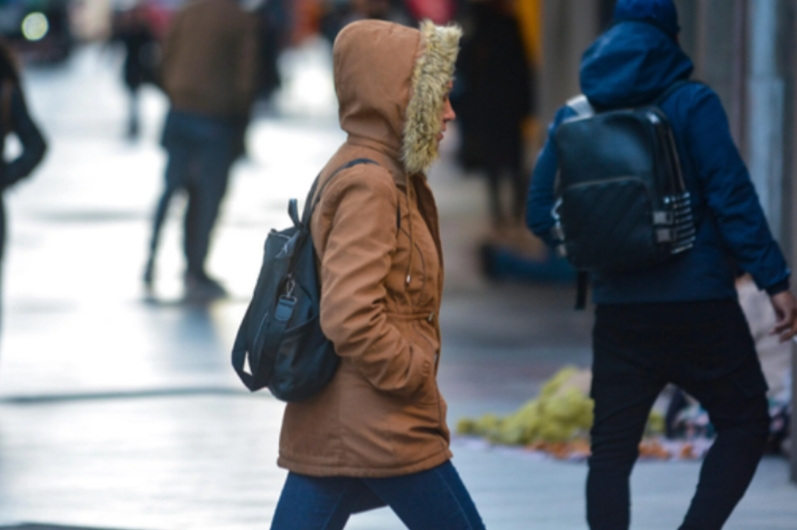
[(448, 113)]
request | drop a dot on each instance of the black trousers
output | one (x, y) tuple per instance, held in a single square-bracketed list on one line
[(706, 349)]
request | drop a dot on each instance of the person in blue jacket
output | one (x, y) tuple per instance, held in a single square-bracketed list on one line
[(678, 322)]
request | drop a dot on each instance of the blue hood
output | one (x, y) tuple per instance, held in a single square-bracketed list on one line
[(631, 64), (661, 13)]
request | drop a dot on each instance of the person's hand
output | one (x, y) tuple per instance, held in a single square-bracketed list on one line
[(786, 311)]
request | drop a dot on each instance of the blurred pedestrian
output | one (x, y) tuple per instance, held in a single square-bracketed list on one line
[(339, 13), (438, 11), (493, 102), (142, 53), (678, 321), (209, 73), (14, 119), (273, 36), (376, 435)]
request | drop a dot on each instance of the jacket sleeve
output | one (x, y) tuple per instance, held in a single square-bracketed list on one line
[(730, 194), (541, 198), (355, 262), (33, 144)]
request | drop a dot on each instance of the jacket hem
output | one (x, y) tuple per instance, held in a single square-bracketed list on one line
[(337, 470)]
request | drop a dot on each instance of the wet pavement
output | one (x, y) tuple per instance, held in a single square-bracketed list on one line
[(119, 411)]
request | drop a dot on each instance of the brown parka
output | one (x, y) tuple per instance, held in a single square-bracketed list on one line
[(375, 231)]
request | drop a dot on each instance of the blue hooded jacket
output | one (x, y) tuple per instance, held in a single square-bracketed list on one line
[(633, 63)]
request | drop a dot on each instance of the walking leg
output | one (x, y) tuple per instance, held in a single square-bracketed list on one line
[(738, 410), (316, 503), (624, 393), (176, 169), (208, 188), (429, 500), (133, 121)]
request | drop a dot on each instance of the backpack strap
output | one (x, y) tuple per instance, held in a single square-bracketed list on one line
[(581, 105), (313, 197), (239, 354)]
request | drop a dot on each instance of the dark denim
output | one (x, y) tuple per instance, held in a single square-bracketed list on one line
[(201, 151), (429, 500), (706, 349)]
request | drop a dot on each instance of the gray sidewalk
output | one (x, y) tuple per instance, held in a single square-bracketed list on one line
[(122, 413)]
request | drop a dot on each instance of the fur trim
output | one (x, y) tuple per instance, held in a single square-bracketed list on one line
[(434, 68)]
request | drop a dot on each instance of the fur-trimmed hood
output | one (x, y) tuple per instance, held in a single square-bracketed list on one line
[(391, 82)]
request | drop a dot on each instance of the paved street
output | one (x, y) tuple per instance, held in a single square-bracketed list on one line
[(122, 412)]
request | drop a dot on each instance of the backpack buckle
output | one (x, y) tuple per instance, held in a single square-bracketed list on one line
[(290, 287), (663, 218), (664, 235)]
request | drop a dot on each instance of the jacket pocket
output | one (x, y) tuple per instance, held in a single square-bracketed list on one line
[(425, 347)]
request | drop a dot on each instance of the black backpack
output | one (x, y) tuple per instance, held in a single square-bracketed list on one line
[(621, 199), (280, 335)]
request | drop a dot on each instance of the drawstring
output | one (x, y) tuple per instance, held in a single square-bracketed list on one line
[(410, 191)]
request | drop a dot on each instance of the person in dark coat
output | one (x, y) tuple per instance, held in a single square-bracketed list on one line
[(494, 100), (680, 321), (141, 55), (14, 119), (272, 21)]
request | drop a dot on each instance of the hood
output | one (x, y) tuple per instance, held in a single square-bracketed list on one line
[(631, 64), (661, 13), (391, 82)]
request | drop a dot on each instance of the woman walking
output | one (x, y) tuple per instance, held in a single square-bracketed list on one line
[(377, 434)]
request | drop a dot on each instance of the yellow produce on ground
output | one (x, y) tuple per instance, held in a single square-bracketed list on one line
[(561, 413)]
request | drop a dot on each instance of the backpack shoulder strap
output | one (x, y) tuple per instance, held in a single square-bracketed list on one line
[(581, 105), (313, 197)]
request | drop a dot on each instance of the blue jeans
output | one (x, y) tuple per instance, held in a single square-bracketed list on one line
[(429, 500), (201, 150)]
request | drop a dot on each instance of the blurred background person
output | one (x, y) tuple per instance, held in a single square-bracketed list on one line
[(338, 13), (493, 101), (14, 119), (131, 28), (209, 73), (438, 11), (273, 30)]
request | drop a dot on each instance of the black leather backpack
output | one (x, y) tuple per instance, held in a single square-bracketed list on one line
[(280, 337), (621, 199)]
